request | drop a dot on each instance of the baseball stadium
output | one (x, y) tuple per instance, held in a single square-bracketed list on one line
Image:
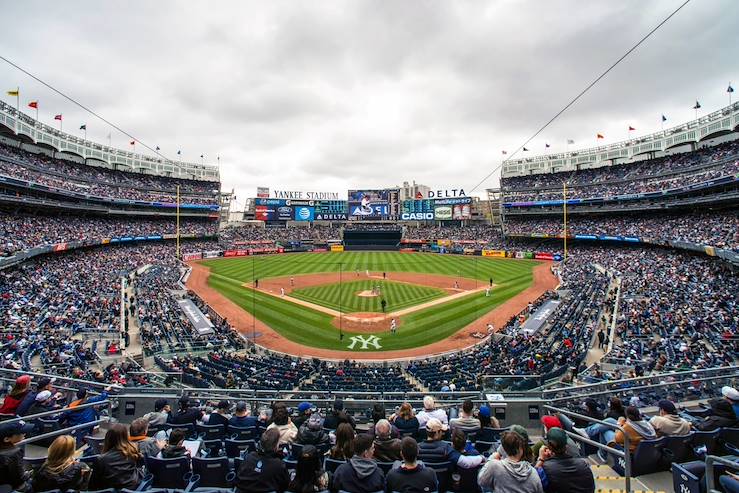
[(552, 318)]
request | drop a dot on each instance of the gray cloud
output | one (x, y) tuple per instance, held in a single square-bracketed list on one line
[(342, 94)]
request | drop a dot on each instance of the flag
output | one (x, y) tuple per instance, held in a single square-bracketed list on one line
[(664, 118), (546, 145), (33, 104), (631, 128), (525, 150), (83, 127), (157, 148), (730, 89), (14, 92), (179, 153), (504, 152), (133, 142), (58, 117), (570, 141), (599, 136), (697, 105)]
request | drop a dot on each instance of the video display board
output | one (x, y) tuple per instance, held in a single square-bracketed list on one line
[(417, 210), (374, 204), (331, 210), (273, 210), (454, 209)]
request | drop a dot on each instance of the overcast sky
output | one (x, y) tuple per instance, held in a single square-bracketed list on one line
[(330, 95)]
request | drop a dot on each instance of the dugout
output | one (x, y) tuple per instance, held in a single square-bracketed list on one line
[(374, 239)]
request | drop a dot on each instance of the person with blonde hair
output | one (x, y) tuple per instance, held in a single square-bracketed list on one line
[(405, 420), (118, 465), (62, 471)]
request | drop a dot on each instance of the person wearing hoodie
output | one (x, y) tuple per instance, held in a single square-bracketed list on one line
[(174, 447), (412, 476), (558, 471), (512, 474), (281, 422), (668, 423), (360, 474), (722, 416), (311, 432), (635, 427), (263, 471)]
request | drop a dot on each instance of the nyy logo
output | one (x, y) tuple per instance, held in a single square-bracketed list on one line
[(365, 342)]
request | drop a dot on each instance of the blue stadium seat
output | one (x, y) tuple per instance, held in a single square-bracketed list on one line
[(729, 438), (234, 448), (679, 448), (246, 433), (210, 432), (169, 473), (332, 464), (465, 480), (707, 439), (443, 473), (213, 472)]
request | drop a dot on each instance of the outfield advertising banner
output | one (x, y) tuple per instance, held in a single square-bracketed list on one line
[(337, 248), (493, 253), (192, 256)]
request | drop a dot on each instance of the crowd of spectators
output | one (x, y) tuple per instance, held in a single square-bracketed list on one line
[(244, 235), (24, 231), (719, 228), (102, 182), (479, 233), (640, 177)]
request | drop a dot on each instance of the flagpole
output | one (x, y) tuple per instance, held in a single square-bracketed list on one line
[(564, 205), (177, 253), (17, 107)]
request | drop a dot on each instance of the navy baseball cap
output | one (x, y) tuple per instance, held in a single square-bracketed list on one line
[(15, 428)]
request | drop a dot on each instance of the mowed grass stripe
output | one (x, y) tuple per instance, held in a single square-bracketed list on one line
[(313, 328)]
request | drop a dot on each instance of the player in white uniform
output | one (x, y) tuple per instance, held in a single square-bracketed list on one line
[(393, 327)]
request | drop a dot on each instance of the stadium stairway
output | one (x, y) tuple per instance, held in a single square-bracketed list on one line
[(608, 481), (414, 381)]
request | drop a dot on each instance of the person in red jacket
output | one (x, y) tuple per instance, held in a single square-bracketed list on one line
[(17, 394)]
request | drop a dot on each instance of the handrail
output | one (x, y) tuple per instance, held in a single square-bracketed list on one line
[(710, 483), (57, 411), (63, 431), (626, 454)]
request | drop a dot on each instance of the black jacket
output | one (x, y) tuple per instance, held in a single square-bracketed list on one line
[(174, 451), (358, 475), (722, 416), (418, 480), (11, 467), (306, 436), (261, 473), (114, 470), (406, 425), (565, 474), (75, 477), (182, 417), (335, 418), (218, 419), (387, 449)]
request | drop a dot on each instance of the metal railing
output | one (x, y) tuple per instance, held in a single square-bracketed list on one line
[(624, 454), (710, 480)]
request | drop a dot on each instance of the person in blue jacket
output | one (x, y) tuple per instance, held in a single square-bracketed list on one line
[(75, 417)]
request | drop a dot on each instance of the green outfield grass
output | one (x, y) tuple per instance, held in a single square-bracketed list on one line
[(344, 296), (312, 328)]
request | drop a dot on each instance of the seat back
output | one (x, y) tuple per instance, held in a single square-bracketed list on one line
[(443, 473), (385, 467), (465, 480), (34, 462), (707, 439), (168, 473), (729, 438), (489, 434), (332, 464), (245, 433), (483, 446), (295, 450), (678, 448), (211, 432), (213, 472), (648, 457), (89, 459), (95, 444), (234, 448), (188, 428), (684, 477)]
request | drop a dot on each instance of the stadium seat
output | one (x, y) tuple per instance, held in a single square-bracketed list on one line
[(484, 446), (213, 472), (705, 442), (443, 473), (210, 432), (170, 473), (95, 444), (465, 480), (246, 433), (679, 448), (188, 428), (729, 438), (332, 464), (234, 448)]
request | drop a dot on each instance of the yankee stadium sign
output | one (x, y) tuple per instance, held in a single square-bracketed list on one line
[(299, 195)]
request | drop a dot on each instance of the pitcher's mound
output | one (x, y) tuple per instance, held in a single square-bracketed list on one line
[(367, 294)]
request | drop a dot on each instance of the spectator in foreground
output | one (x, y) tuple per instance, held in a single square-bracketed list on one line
[(512, 474), (466, 421), (220, 415), (242, 417), (11, 456), (668, 423), (722, 416), (731, 395), (411, 476), (174, 447), (635, 427), (528, 453), (387, 448), (344, 448), (309, 475), (118, 465), (359, 474), (281, 421), (405, 420), (160, 416), (263, 471), (148, 446), (186, 414), (337, 416), (311, 432), (560, 472), (434, 449), (430, 412), (62, 471), (76, 417)]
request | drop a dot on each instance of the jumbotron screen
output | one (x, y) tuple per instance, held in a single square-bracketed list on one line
[(374, 204)]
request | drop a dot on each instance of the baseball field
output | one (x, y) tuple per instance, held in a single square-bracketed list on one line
[(335, 300)]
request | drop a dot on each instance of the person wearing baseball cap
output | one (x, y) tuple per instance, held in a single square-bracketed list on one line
[(731, 395), (434, 449), (304, 411), (554, 422), (668, 423), (11, 456), (558, 471), (44, 383), (18, 393)]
